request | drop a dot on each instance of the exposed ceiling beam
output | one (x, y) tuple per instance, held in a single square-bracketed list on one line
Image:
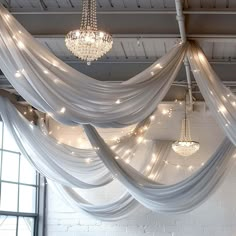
[(51, 11), (226, 38)]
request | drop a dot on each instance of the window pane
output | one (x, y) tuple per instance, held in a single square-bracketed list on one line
[(27, 199), (10, 166), (9, 142), (26, 226), (9, 193), (27, 173), (0, 134), (7, 225)]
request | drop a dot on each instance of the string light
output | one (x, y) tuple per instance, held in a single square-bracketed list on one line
[(151, 176), (158, 66), (45, 72), (127, 151), (139, 139), (164, 112), (18, 74), (20, 45), (88, 160), (190, 167), (152, 117), (63, 109), (148, 168), (118, 101)]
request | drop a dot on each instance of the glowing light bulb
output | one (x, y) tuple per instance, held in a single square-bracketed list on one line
[(139, 139), (118, 101), (88, 160), (148, 168), (158, 66), (127, 151), (164, 112), (190, 167), (152, 117), (151, 176), (63, 109), (20, 45), (45, 72), (18, 74)]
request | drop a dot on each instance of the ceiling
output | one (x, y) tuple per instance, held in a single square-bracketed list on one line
[(143, 31)]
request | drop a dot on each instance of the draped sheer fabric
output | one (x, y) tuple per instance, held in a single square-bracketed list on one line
[(114, 211), (181, 197), (177, 198), (62, 163), (220, 100), (71, 97), (125, 204)]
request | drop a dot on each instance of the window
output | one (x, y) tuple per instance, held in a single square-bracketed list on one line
[(19, 190)]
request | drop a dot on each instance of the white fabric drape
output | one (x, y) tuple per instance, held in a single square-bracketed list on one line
[(220, 100), (71, 97), (181, 197), (125, 204), (64, 164)]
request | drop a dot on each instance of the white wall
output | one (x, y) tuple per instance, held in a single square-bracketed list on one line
[(217, 216)]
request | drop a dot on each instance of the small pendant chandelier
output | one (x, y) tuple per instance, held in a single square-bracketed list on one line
[(88, 43), (185, 146)]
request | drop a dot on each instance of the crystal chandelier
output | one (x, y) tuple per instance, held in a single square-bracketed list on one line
[(185, 146), (88, 43)]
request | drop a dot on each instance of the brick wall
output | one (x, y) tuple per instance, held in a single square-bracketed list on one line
[(216, 217)]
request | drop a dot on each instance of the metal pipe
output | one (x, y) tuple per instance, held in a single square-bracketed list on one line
[(181, 23)]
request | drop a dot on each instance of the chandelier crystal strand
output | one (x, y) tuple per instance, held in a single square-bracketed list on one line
[(88, 43), (185, 146)]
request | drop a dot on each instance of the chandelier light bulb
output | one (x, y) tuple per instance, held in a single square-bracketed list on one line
[(185, 146), (88, 43)]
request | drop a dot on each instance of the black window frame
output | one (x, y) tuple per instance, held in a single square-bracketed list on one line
[(40, 194)]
